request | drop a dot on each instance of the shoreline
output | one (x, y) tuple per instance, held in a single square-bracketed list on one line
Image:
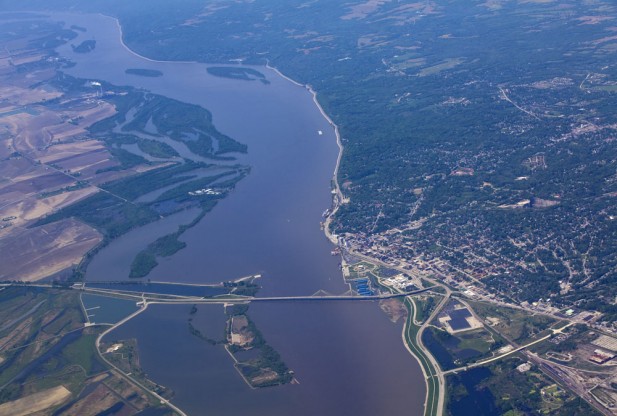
[(340, 199), (337, 195), (132, 52), (404, 331), (130, 379), (236, 362)]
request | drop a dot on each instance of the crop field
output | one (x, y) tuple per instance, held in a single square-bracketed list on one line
[(49, 363), (67, 144), (36, 402), (38, 252)]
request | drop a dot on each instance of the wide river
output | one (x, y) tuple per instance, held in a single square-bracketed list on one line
[(348, 357)]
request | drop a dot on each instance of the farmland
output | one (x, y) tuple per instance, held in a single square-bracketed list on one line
[(75, 155)]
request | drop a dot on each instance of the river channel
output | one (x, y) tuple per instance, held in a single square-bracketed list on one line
[(348, 357)]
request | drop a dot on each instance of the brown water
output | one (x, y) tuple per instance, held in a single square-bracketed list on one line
[(348, 357)]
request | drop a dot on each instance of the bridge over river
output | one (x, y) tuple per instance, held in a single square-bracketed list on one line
[(148, 297)]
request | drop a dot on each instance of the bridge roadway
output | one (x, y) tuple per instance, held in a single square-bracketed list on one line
[(329, 298), (145, 283), (159, 297)]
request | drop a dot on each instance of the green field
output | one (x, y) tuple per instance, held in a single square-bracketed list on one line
[(433, 389), (501, 389), (514, 324)]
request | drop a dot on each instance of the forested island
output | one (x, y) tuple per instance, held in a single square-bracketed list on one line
[(152, 73)]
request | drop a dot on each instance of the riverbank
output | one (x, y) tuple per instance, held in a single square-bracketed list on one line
[(434, 402), (132, 52), (411, 334), (126, 376), (280, 125), (339, 199)]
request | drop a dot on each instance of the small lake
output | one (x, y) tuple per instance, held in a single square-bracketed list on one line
[(348, 357)]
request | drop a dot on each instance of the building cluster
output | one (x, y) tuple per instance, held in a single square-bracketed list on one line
[(462, 266), (606, 351)]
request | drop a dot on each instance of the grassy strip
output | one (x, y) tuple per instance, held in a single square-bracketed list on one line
[(411, 330)]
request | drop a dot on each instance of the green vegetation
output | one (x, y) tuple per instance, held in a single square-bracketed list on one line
[(573, 349), (519, 94), (237, 309), (577, 335), (133, 187), (267, 368), (145, 260), (107, 213), (157, 149), (457, 350), (127, 159), (360, 270), (514, 324), (117, 211), (126, 357), (168, 245), (153, 73), (143, 264), (85, 46), (70, 365), (473, 105), (43, 336), (501, 389), (113, 212), (478, 340), (247, 74), (433, 388), (182, 122), (181, 193), (70, 188), (424, 306), (196, 332)]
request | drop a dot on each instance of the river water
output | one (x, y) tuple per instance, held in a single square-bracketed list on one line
[(348, 357)]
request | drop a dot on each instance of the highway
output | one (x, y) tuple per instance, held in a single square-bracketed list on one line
[(126, 376), (515, 350), (435, 400), (412, 331), (144, 301), (436, 405)]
